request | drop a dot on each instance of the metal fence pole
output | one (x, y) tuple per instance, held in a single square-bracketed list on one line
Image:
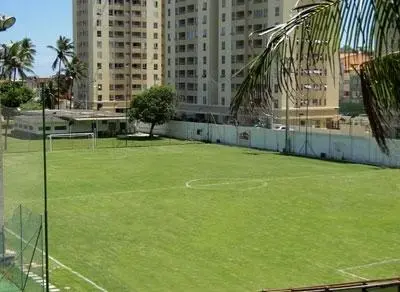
[(21, 245), (46, 225)]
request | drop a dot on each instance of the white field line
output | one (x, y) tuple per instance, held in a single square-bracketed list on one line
[(109, 194), (234, 181), (187, 184), (384, 262), (352, 275), (62, 265), (340, 271)]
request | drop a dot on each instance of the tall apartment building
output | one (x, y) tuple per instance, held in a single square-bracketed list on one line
[(121, 41), (191, 54), (207, 43)]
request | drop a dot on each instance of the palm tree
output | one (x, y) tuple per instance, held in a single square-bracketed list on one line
[(74, 71), (64, 50), (28, 49), (18, 59), (48, 95), (320, 28)]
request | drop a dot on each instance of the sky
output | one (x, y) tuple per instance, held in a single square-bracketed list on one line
[(41, 20)]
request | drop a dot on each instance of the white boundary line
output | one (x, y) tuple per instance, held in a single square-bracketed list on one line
[(228, 181), (384, 262), (187, 184), (345, 271), (62, 265), (352, 275), (340, 271)]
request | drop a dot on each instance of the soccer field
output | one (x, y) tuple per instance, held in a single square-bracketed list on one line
[(202, 217)]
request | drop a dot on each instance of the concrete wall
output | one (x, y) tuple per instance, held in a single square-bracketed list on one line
[(333, 146)]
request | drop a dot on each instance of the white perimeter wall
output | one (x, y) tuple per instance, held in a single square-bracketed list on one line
[(338, 147)]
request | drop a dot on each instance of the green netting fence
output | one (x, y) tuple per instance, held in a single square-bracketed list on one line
[(22, 256)]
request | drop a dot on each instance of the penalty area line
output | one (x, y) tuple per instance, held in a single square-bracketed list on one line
[(352, 275), (383, 262), (79, 275)]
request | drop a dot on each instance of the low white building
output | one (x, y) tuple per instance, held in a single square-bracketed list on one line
[(101, 123)]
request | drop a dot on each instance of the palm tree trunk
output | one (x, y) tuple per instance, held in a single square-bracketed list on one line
[(58, 86), (70, 94), (6, 132)]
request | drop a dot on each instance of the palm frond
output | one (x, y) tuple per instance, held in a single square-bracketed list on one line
[(318, 30)]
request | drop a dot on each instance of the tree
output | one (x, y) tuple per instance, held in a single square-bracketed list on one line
[(320, 28), (74, 71), (64, 50), (18, 59), (48, 94), (352, 108), (154, 106), (12, 95)]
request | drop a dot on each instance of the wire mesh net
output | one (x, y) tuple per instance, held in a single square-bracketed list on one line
[(22, 256)]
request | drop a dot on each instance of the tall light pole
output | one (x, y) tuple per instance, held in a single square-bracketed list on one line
[(5, 23)]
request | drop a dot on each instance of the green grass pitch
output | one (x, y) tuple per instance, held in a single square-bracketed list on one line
[(204, 217)]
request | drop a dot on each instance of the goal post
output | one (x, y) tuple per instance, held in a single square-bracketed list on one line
[(90, 135)]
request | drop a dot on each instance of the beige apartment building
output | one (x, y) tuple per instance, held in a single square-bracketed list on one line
[(121, 41), (207, 43)]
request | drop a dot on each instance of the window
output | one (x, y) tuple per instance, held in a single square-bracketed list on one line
[(98, 66), (99, 97), (60, 128), (99, 33), (277, 11), (47, 128), (99, 44), (204, 60)]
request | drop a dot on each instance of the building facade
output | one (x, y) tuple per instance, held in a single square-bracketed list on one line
[(121, 41), (350, 88), (207, 43)]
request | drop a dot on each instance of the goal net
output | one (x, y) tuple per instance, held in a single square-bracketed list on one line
[(71, 141)]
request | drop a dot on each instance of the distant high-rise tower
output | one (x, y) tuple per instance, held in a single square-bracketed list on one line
[(121, 41), (207, 43)]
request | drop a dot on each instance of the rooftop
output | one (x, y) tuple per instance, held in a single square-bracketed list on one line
[(77, 115)]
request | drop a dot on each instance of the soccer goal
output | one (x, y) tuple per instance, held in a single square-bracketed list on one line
[(91, 138)]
